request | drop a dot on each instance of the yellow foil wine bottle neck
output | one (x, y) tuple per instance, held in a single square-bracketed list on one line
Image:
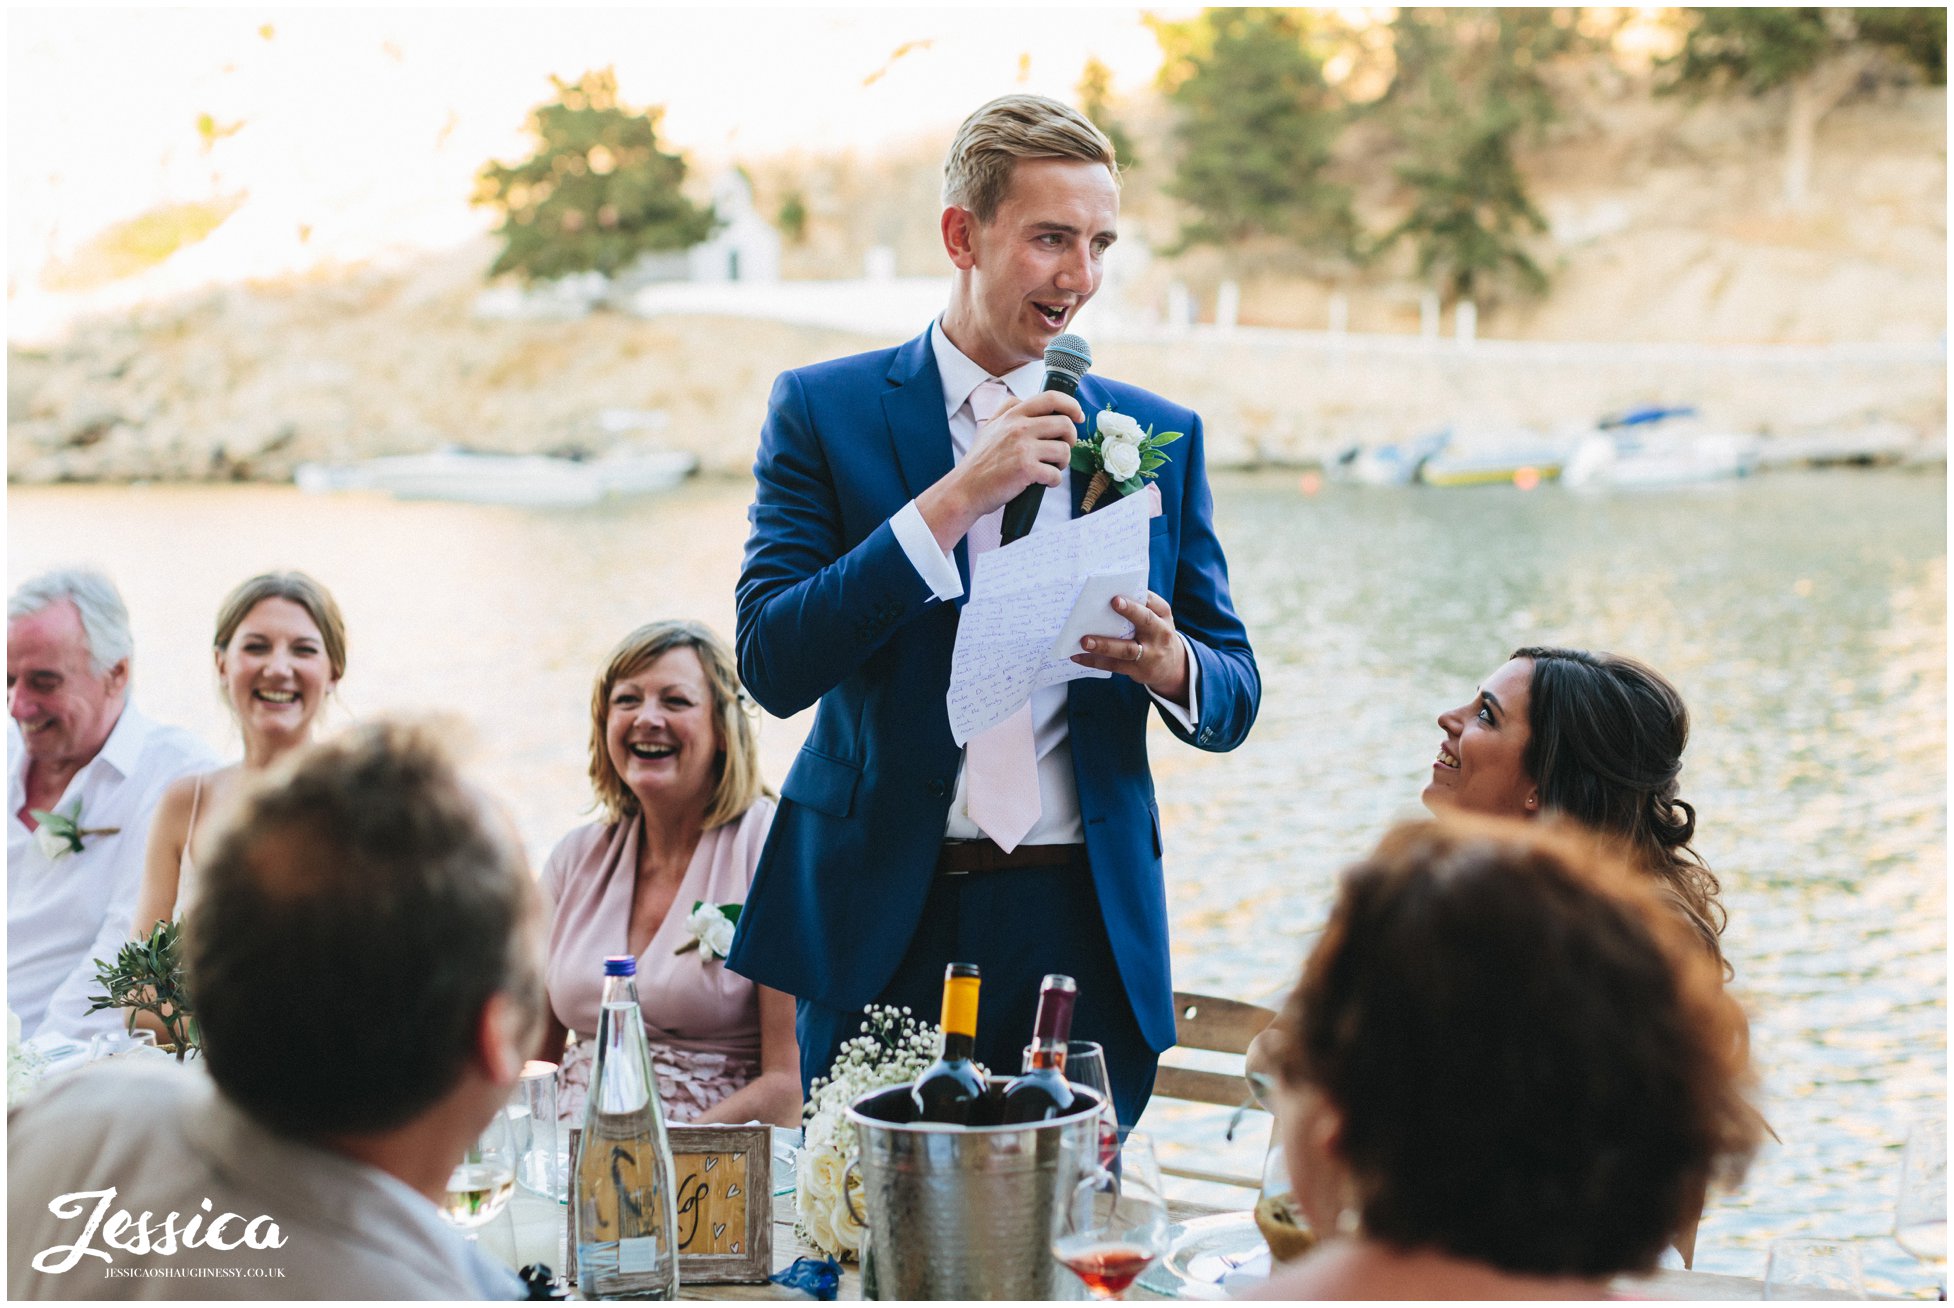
[(960, 1005)]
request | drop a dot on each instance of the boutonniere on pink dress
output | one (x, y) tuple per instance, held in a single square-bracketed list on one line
[(711, 927), (1120, 455)]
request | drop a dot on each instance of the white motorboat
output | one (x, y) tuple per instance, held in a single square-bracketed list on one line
[(1658, 447), (527, 480)]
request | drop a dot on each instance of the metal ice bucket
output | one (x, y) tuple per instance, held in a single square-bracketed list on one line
[(967, 1212)]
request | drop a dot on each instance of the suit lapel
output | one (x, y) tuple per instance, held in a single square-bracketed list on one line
[(919, 430), (913, 406), (1092, 400)]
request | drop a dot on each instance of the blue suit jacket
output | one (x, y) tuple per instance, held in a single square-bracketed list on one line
[(830, 609)]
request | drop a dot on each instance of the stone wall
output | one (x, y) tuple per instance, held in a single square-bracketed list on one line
[(247, 385)]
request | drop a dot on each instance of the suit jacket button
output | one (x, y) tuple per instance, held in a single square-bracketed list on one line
[(938, 790)]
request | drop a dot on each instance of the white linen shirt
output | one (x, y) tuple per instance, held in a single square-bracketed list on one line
[(1059, 822), (64, 913), (168, 1142)]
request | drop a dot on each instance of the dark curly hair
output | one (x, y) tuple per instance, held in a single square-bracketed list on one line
[(1606, 749), (1535, 1065)]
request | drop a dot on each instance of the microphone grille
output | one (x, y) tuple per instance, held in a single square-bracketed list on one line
[(1069, 354)]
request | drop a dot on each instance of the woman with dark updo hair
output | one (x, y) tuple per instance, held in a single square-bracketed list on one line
[(1593, 737), (1596, 739)]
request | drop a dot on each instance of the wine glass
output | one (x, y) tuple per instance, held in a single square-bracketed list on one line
[(1085, 1064), (1813, 1269), (1277, 1214), (1115, 1226), (1920, 1212), (480, 1186)]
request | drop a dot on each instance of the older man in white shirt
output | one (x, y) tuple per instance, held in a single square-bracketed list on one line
[(81, 752)]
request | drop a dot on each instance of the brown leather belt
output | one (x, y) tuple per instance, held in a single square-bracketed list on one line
[(964, 856)]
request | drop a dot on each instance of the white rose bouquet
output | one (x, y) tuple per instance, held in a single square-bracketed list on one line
[(893, 1047), (1119, 454)]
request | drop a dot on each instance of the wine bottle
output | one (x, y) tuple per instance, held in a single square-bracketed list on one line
[(950, 1087), (1042, 1092), (624, 1196)]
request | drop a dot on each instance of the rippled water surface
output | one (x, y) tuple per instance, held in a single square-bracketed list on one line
[(1803, 616)]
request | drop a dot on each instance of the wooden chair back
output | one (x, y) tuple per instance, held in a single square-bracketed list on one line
[(1215, 1025)]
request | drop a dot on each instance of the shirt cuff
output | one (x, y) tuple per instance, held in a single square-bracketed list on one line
[(1189, 717), (937, 569)]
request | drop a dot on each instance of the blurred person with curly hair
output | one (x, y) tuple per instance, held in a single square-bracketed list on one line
[(1509, 1072)]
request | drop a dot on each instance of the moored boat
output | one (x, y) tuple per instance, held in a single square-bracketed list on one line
[(527, 480)]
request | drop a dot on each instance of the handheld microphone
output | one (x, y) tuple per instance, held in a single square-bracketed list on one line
[(1067, 359)]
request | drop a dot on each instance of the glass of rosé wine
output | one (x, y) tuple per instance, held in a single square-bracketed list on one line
[(1115, 1226)]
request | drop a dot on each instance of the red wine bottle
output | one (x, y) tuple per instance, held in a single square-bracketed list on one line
[(1042, 1092), (950, 1088)]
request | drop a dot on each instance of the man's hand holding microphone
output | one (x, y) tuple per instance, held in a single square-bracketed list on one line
[(1027, 443)]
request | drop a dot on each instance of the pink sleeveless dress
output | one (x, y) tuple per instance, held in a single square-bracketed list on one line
[(703, 1022)]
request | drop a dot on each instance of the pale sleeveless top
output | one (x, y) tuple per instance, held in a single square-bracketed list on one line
[(186, 867)]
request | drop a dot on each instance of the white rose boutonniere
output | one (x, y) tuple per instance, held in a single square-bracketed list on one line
[(711, 927), (1119, 454), (1121, 461), (61, 834), (1115, 426), (53, 845)]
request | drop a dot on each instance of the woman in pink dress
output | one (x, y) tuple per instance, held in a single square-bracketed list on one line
[(673, 764)]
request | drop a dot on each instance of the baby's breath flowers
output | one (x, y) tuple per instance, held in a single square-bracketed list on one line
[(893, 1047)]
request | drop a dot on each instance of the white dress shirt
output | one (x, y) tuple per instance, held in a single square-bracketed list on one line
[(168, 1142), (1059, 822), (66, 912)]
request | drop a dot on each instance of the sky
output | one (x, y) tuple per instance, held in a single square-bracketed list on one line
[(364, 127)]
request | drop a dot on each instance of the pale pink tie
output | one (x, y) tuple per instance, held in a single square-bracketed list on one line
[(1000, 765)]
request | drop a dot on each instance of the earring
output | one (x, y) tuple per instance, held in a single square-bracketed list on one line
[(1350, 1216)]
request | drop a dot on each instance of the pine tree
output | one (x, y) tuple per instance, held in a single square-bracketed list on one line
[(1819, 56), (598, 192), (1468, 84), (1257, 123), (1095, 102)]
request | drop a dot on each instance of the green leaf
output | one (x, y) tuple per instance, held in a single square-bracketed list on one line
[(1130, 485), (1164, 438), (732, 912), (1149, 461), (1084, 458), (42, 816)]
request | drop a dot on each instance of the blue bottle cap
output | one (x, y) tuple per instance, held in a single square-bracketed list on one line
[(620, 965)]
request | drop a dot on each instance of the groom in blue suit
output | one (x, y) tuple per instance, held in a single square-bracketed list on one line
[(891, 853)]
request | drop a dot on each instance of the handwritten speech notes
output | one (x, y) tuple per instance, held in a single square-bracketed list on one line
[(1031, 601)]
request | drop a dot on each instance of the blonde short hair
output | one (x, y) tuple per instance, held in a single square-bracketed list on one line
[(977, 171), (740, 782)]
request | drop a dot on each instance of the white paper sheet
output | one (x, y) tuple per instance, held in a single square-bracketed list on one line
[(1021, 597)]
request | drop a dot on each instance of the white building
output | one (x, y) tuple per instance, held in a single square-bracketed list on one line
[(745, 248)]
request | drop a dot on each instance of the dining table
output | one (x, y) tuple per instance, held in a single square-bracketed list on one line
[(532, 1230)]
